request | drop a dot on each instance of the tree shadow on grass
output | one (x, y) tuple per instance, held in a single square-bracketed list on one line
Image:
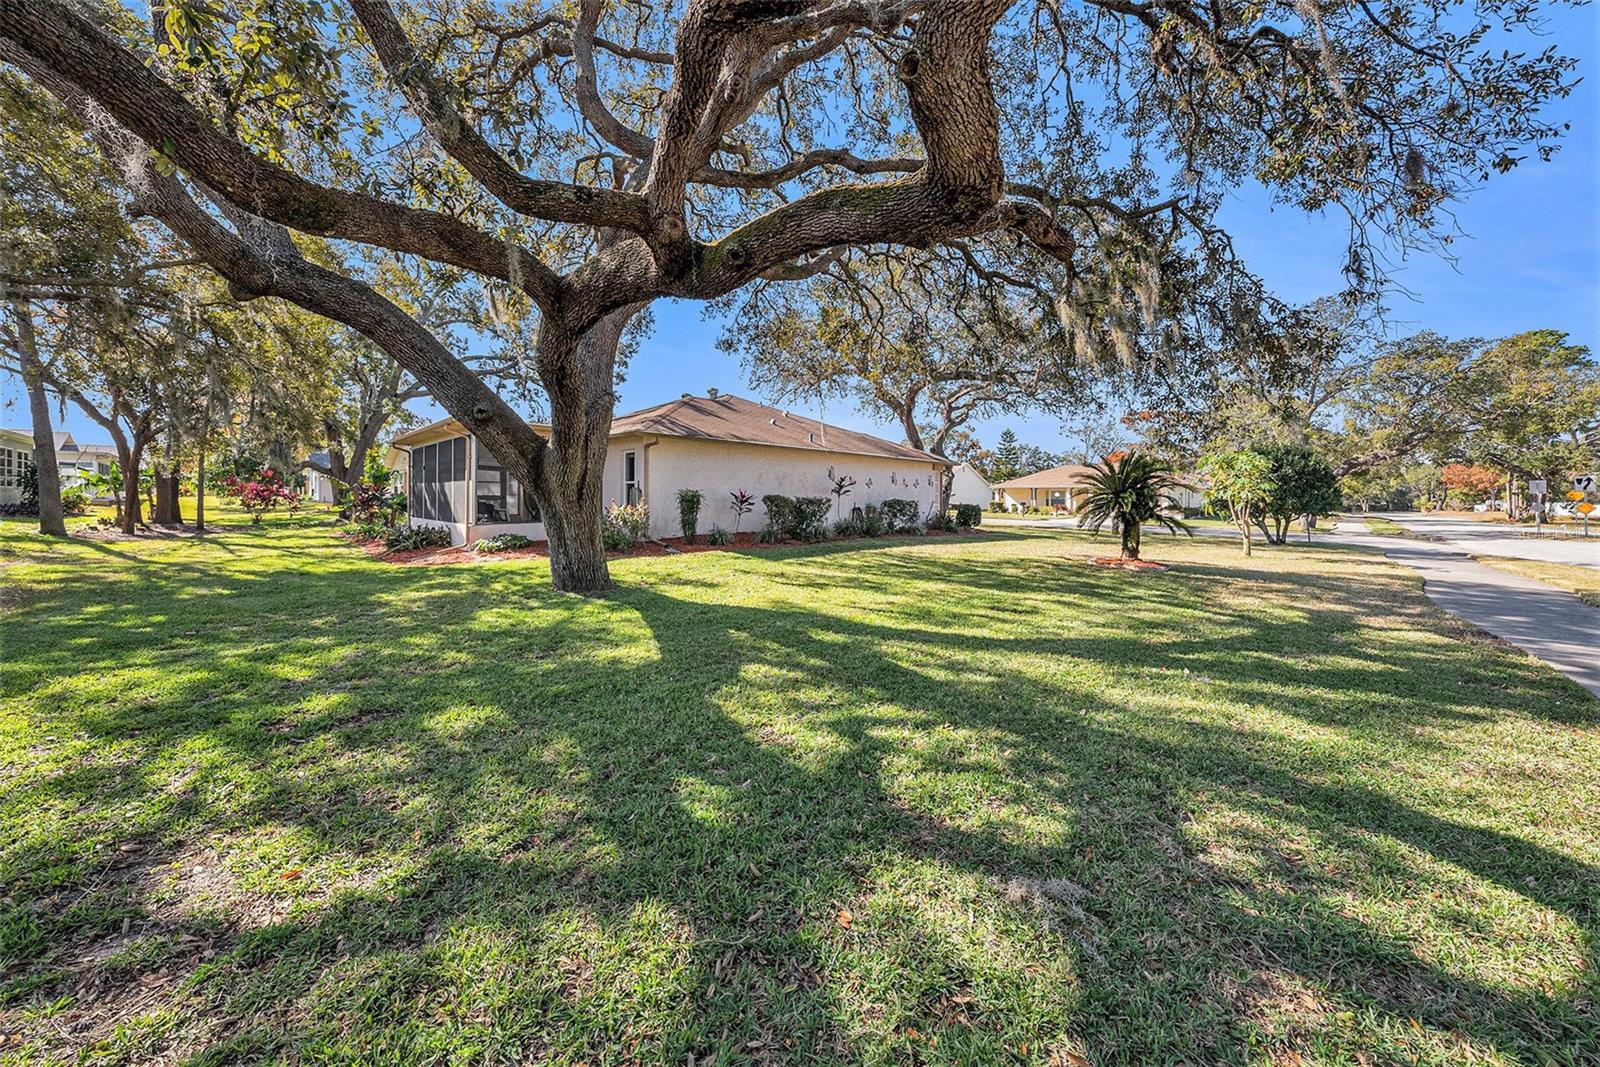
[(657, 825)]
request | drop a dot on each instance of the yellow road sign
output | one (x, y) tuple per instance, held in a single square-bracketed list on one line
[(1584, 509), (1573, 494)]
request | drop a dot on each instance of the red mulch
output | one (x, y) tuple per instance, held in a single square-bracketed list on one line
[(1128, 564), (667, 546)]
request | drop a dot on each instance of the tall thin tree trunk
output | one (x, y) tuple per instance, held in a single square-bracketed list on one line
[(52, 520), (200, 489)]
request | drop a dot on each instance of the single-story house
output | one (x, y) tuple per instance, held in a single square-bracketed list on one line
[(1058, 488), (1061, 488), (716, 443), (967, 486), (74, 460), (16, 455), (318, 486)]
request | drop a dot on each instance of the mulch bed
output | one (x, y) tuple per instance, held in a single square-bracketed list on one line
[(1128, 564), (667, 546)]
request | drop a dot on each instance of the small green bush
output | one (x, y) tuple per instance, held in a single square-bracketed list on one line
[(689, 513), (780, 516), (502, 542), (409, 538), (900, 516), (74, 502), (872, 524), (809, 521), (967, 515), (719, 536), (996, 506), (940, 522)]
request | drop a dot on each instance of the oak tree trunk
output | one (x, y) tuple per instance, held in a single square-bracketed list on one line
[(52, 521), (578, 376), (168, 511), (132, 503)]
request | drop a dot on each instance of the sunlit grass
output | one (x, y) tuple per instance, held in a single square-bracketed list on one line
[(954, 801)]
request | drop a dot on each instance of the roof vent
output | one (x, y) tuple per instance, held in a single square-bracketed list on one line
[(711, 393), (685, 396), (773, 421), (811, 437)]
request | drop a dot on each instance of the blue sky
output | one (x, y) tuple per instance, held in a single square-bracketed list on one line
[(1531, 259)]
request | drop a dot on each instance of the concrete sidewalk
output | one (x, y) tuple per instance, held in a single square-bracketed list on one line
[(1540, 619)]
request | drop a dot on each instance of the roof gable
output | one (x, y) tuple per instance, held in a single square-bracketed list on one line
[(735, 419)]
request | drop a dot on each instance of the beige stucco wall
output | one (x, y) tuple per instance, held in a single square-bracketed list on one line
[(718, 468)]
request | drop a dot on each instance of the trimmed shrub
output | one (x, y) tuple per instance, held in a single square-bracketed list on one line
[(719, 536), (74, 502), (900, 516), (967, 515), (810, 518), (689, 513), (502, 542), (623, 526), (996, 506), (780, 516), (872, 524), (408, 538)]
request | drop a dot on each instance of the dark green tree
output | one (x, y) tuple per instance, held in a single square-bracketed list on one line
[(1304, 486)]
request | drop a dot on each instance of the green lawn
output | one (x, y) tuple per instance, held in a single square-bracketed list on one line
[(948, 801), (1584, 581)]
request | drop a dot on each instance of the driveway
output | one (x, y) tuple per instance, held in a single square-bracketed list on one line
[(1497, 539)]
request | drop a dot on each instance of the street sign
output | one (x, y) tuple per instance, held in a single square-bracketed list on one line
[(1586, 483), (1584, 509), (1575, 494), (1537, 487)]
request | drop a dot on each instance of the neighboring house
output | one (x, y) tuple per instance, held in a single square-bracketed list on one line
[(16, 455), (1061, 489), (967, 486), (74, 460), (318, 486), (715, 443), (1057, 488)]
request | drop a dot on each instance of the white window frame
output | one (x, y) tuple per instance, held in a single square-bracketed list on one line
[(631, 482)]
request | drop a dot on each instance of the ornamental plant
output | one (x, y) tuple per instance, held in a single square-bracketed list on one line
[(689, 513), (740, 505), (1129, 493), (265, 493)]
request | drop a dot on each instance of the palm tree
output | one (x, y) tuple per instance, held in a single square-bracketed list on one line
[(1128, 493)]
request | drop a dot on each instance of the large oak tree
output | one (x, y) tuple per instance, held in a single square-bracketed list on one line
[(588, 158)]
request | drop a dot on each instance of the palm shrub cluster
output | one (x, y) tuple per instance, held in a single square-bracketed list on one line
[(1128, 493)]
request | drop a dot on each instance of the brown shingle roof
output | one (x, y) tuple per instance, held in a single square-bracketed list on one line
[(726, 418), (733, 418), (1070, 476)]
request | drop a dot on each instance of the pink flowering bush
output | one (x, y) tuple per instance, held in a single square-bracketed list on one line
[(265, 492)]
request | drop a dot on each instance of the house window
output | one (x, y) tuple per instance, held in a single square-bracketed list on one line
[(439, 481), (12, 463), (500, 498), (631, 490)]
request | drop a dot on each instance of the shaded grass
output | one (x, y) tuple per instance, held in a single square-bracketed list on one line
[(963, 801), (1584, 581)]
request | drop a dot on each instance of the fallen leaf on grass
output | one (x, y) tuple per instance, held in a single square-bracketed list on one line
[(844, 918), (292, 873)]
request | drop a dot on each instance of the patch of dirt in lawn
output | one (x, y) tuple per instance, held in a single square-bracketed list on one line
[(186, 910), (1118, 563)]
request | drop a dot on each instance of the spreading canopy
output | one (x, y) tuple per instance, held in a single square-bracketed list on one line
[(585, 159)]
